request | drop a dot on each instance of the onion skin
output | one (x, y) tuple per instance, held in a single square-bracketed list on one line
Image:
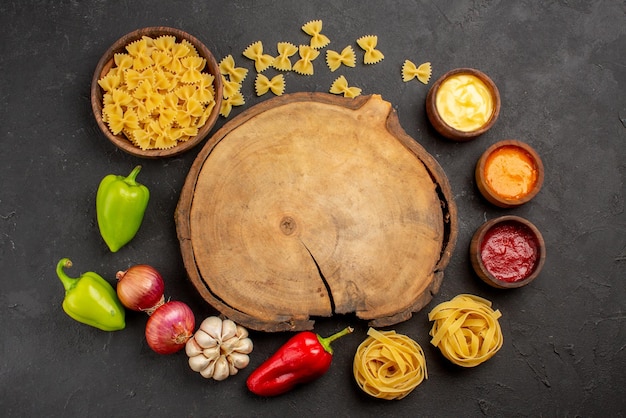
[(140, 288), (169, 327)]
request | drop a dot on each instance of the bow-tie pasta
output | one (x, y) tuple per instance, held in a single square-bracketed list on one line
[(411, 71), (261, 61), (262, 84), (314, 29), (334, 59), (368, 44), (340, 86), (156, 94)]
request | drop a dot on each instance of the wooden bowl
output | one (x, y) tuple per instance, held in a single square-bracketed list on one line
[(438, 120), (106, 63), (526, 164), (506, 270)]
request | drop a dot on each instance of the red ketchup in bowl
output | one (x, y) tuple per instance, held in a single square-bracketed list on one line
[(509, 251)]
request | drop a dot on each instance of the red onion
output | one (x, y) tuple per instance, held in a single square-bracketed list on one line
[(140, 288), (169, 327)]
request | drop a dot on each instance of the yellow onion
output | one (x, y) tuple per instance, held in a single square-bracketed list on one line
[(140, 288)]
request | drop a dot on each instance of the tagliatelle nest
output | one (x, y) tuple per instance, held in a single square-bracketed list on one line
[(388, 365), (466, 330)]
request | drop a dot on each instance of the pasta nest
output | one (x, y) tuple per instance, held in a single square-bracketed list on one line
[(388, 365), (466, 330)]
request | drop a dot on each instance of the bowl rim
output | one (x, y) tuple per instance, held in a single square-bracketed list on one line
[(106, 62), (448, 131), (493, 197), (477, 262)]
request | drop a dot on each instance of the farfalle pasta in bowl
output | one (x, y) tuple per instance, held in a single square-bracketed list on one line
[(156, 92)]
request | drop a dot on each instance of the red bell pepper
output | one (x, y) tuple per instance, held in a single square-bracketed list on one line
[(303, 358)]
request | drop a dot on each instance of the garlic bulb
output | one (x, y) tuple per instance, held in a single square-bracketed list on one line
[(219, 348)]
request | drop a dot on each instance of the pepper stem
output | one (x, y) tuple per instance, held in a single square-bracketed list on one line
[(325, 342), (130, 179), (68, 282)]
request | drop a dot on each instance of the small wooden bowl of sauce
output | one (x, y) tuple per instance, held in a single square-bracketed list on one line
[(507, 252), (509, 173), (463, 104)]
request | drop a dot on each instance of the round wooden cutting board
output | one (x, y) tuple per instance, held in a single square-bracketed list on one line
[(310, 204)]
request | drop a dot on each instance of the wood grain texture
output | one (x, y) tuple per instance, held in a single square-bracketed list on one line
[(309, 205)]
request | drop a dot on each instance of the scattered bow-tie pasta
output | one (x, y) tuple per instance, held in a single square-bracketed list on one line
[(282, 61), (232, 78), (262, 85), (229, 87), (314, 29), (411, 71), (368, 44), (229, 69), (156, 93), (388, 365), (340, 86), (304, 65), (334, 59), (466, 330), (261, 61), (236, 99)]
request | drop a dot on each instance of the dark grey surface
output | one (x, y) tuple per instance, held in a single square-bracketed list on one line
[(561, 72)]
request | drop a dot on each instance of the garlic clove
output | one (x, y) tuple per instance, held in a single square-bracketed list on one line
[(243, 346), (232, 370), (198, 363), (221, 371), (209, 370), (213, 327), (241, 332), (205, 340), (212, 352), (229, 329), (239, 360), (192, 348), (228, 347)]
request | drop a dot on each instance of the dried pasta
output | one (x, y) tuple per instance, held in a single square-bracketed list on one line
[(262, 84), (388, 365), (261, 61), (314, 29), (340, 86), (229, 87), (229, 69), (368, 43), (466, 330), (335, 59), (411, 71), (156, 93), (282, 61), (236, 99), (304, 65), (140, 54)]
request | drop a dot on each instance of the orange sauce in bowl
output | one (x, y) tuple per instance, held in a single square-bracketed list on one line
[(510, 172)]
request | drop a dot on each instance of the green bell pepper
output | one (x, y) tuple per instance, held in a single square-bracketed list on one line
[(120, 206), (91, 300)]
